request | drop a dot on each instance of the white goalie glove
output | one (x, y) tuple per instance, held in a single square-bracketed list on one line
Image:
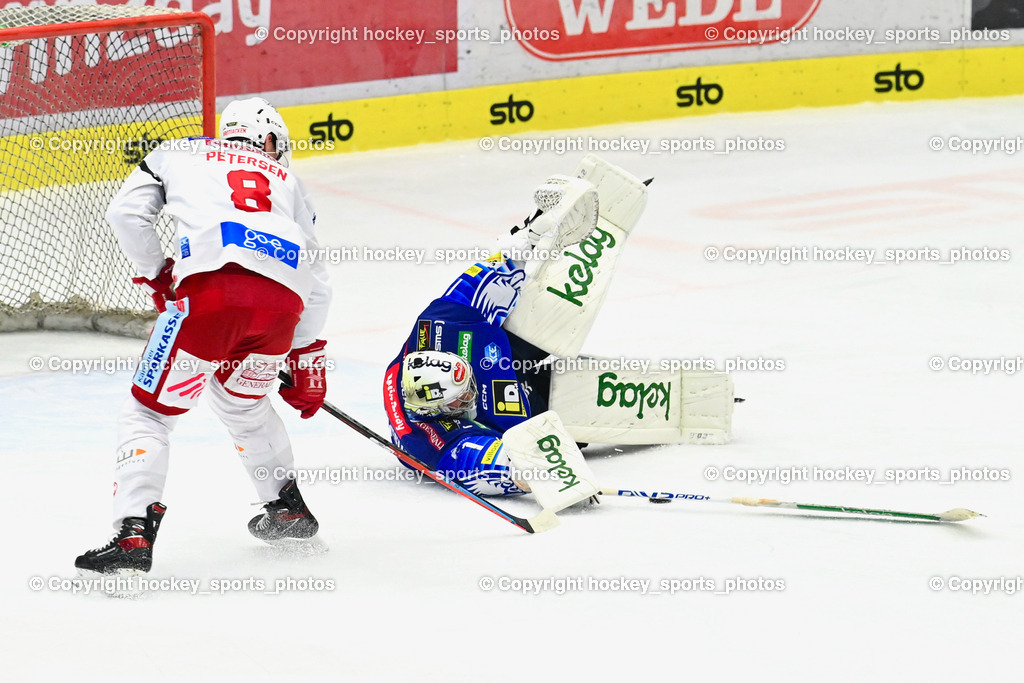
[(570, 207)]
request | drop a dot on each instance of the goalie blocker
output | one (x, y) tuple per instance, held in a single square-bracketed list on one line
[(549, 462)]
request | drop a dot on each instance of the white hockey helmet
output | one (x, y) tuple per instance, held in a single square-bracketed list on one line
[(253, 119), (437, 383)]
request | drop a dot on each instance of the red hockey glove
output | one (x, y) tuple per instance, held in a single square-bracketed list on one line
[(161, 288), (309, 385)]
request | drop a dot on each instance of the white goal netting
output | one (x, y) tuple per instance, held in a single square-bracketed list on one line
[(85, 92)]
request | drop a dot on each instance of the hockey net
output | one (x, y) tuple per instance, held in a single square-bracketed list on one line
[(85, 92)]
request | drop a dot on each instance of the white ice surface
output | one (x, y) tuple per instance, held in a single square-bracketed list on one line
[(407, 559)]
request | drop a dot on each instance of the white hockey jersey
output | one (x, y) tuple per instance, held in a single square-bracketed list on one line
[(230, 203)]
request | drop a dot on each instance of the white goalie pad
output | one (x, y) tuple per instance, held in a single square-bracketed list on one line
[(546, 457), (633, 407), (561, 297)]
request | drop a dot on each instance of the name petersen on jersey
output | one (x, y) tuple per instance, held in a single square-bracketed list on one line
[(244, 154)]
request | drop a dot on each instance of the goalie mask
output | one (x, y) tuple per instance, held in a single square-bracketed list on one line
[(437, 383), (252, 120)]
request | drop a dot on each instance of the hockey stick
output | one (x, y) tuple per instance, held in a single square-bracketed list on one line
[(954, 515), (536, 524)]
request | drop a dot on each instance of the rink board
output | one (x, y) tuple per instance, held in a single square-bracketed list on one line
[(550, 105)]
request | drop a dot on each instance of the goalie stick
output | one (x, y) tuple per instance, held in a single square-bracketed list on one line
[(536, 524), (954, 515)]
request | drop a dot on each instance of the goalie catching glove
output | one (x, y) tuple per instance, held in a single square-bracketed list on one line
[(309, 383), (569, 213), (161, 287)]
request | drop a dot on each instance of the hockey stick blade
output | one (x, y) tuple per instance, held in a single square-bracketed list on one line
[(542, 522), (959, 515), (954, 515)]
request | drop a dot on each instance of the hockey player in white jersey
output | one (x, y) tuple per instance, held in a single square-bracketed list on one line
[(238, 301)]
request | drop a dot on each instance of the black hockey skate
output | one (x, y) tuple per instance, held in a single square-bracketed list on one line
[(285, 520), (131, 549)]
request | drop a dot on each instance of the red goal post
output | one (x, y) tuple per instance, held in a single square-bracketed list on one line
[(85, 92)]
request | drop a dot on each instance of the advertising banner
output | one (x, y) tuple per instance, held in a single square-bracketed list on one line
[(567, 30)]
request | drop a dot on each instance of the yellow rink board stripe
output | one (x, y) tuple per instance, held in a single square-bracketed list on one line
[(110, 152), (673, 93), (83, 154)]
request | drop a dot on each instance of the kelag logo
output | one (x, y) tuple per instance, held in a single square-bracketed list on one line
[(588, 254), (899, 80), (604, 28), (511, 111), (699, 94), (331, 130)]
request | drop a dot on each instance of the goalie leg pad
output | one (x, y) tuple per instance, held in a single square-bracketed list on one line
[(547, 458), (622, 196), (561, 297), (634, 407)]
